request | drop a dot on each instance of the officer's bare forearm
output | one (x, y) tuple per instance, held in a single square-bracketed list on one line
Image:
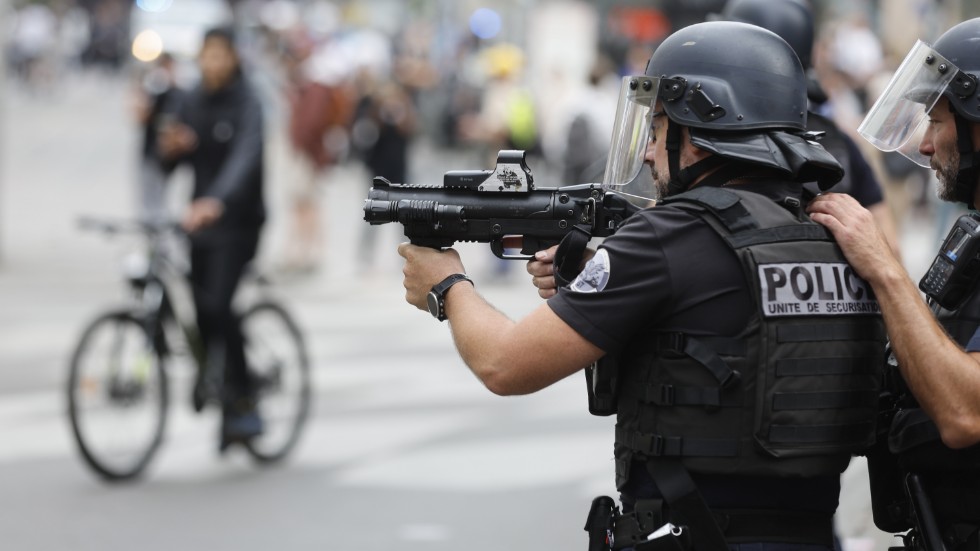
[(513, 358), (943, 377)]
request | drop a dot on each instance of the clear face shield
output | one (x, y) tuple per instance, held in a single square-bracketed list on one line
[(898, 120), (631, 134)]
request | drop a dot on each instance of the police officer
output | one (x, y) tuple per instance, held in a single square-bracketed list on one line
[(931, 482), (793, 21), (734, 338)]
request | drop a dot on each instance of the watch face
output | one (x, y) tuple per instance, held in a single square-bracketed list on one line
[(432, 300)]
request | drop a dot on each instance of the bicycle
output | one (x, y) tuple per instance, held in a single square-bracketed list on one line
[(118, 384)]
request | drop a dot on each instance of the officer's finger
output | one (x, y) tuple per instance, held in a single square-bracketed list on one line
[(538, 268), (830, 222), (547, 255), (404, 249)]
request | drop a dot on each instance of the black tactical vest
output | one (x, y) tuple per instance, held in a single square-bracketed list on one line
[(795, 394)]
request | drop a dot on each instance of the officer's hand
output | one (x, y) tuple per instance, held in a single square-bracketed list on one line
[(425, 267), (856, 233), (542, 270), (203, 212)]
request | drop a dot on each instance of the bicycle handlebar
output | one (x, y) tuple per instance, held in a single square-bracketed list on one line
[(113, 227)]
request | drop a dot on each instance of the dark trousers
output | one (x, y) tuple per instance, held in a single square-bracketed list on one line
[(217, 267)]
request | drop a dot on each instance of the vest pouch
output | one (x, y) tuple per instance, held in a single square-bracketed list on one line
[(601, 380), (817, 393)]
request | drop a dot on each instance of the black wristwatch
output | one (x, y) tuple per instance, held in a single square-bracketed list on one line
[(436, 299)]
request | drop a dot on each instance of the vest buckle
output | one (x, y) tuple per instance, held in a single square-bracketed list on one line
[(656, 447), (667, 396), (673, 343)]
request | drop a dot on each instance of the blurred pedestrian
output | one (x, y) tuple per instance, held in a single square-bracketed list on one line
[(218, 131), (156, 90), (321, 107), (382, 133), (33, 45), (590, 127)]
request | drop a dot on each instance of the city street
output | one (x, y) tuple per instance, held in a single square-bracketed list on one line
[(405, 447)]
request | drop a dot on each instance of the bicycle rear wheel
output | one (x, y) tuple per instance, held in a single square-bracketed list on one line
[(279, 367), (117, 396)]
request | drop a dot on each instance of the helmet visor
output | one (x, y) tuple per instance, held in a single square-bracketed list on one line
[(631, 134), (895, 122)]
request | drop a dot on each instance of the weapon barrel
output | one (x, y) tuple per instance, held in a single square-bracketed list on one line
[(410, 211)]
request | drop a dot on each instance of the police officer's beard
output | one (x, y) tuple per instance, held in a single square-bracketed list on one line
[(661, 180), (946, 174)]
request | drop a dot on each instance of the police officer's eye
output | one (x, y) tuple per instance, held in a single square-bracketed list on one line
[(653, 124)]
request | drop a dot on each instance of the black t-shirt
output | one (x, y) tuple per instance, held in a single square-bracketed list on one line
[(665, 269)]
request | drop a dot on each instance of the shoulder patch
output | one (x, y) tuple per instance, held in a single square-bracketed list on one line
[(814, 289), (594, 277)]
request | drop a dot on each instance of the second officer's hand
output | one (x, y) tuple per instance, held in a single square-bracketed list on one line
[(425, 267), (856, 233)]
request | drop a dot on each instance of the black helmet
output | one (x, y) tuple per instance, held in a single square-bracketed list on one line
[(792, 20), (949, 69), (741, 92), (960, 46), (725, 75)]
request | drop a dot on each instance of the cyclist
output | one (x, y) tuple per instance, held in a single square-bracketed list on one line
[(217, 130)]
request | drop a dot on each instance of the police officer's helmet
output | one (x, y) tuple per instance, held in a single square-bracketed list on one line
[(900, 116), (960, 45), (792, 20), (730, 76)]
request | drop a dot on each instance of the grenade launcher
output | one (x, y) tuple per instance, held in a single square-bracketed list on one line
[(486, 206)]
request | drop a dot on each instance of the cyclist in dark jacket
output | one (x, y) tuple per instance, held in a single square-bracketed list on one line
[(217, 130)]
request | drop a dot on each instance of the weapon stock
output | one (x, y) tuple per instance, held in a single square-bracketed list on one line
[(486, 206)]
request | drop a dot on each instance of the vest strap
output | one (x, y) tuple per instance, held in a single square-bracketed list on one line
[(824, 400), (698, 350), (670, 395), (825, 332), (687, 507), (810, 434), (802, 367), (779, 234), (724, 204), (658, 445)]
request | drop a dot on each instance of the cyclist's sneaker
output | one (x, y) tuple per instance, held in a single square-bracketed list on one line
[(239, 427)]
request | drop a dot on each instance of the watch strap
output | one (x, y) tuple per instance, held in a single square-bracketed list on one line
[(440, 289)]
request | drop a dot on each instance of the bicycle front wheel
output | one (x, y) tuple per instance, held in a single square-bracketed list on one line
[(117, 396), (279, 367)]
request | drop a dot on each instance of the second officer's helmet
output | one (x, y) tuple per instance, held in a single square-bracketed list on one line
[(739, 89), (792, 20), (949, 69)]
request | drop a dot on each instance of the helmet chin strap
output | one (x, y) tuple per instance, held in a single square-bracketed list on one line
[(681, 180), (967, 173)]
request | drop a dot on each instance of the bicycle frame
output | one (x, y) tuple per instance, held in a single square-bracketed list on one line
[(164, 294)]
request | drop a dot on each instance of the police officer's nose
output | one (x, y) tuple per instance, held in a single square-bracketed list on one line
[(650, 152), (926, 146)]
